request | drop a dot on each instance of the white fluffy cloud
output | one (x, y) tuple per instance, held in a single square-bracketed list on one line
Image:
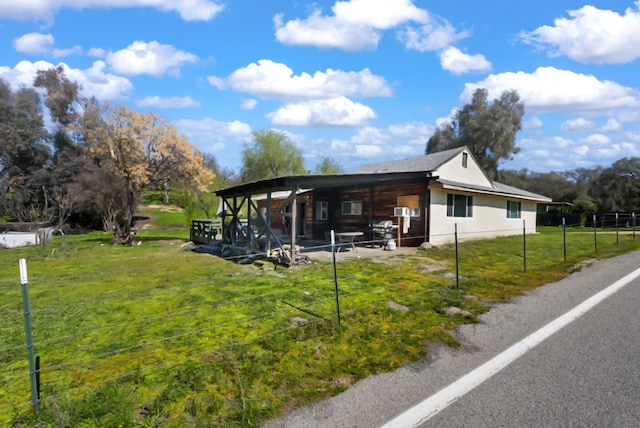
[(34, 43), (596, 140), (268, 79), (191, 10), (561, 142), (150, 58), (211, 135), (575, 125), (457, 62), (409, 134), (61, 53), (615, 151), (94, 81), (248, 104), (434, 35), (611, 125), (172, 102), (354, 24), (372, 144), (581, 150), (549, 89), (339, 111), (532, 123), (39, 44), (591, 35)]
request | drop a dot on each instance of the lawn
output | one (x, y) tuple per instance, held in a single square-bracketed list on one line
[(156, 335)]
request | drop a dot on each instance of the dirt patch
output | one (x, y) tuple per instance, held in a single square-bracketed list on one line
[(173, 242), (164, 208)]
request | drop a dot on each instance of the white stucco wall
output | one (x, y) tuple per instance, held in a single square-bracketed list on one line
[(489, 218), (454, 171)]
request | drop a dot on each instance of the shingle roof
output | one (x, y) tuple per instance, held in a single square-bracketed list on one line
[(424, 163)]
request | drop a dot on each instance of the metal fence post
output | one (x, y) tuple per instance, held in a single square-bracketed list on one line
[(335, 273), (617, 230), (457, 259), (524, 243), (595, 234), (564, 238), (27, 323)]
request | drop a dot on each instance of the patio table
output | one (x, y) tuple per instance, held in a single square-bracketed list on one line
[(347, 238)]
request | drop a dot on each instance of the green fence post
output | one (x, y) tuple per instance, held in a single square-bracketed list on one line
[(595, 234), (335, 274), (564, 238), (27, 323), (457, 258), (524, 243)]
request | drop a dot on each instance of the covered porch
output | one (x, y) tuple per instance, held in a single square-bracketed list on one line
[(271, 217)]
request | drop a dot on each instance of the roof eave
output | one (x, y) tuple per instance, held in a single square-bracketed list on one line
[(461, 188)]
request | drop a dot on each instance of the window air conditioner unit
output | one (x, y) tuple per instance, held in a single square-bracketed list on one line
[(400, 211)]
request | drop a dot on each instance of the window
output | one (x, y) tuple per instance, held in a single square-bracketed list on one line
[(465, 157), (352, 208), (412, 202), (322, 210), (459, 205), (513, 209)]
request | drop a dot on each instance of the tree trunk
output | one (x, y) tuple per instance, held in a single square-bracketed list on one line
[(125, 235)]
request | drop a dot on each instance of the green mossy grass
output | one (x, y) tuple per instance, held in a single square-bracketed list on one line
[(155, 335)]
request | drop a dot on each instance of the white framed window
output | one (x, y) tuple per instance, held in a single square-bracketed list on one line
[(322, 210), (351, 208), (465, 159), (459, 205), (513, 209)]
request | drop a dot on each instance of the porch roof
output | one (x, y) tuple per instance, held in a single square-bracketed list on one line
[(297, 182)]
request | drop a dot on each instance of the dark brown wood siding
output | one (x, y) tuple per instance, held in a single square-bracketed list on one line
[(377, 205)]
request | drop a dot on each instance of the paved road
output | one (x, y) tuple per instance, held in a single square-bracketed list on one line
[(587, 374)]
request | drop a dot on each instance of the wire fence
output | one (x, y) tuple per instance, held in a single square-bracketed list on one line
[(88, 342)]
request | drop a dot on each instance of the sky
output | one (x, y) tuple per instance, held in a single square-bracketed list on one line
[(359, 81)]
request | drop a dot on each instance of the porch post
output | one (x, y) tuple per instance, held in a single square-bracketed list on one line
[(293, 222), (249, 234), (268, 218)]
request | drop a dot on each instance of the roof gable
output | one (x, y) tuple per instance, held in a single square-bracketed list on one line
[(463, 171), (447, 164)]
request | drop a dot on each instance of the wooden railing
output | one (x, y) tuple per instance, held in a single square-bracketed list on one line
[(205, 231)]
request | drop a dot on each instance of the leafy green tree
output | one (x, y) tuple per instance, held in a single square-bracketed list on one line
[(555, 185), (24, 156), (273, 154), (62, 94), (69, 163), (618, 187), (488, 130), (143, 150), (329, 166), (584, 206)]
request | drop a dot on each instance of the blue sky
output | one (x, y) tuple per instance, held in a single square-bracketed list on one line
[(360, 81)]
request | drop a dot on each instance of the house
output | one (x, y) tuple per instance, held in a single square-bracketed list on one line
[(427, 198)]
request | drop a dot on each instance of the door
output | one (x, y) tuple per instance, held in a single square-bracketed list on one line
[(301, 226)]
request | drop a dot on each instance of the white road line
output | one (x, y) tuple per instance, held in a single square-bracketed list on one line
[(428, 408)]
